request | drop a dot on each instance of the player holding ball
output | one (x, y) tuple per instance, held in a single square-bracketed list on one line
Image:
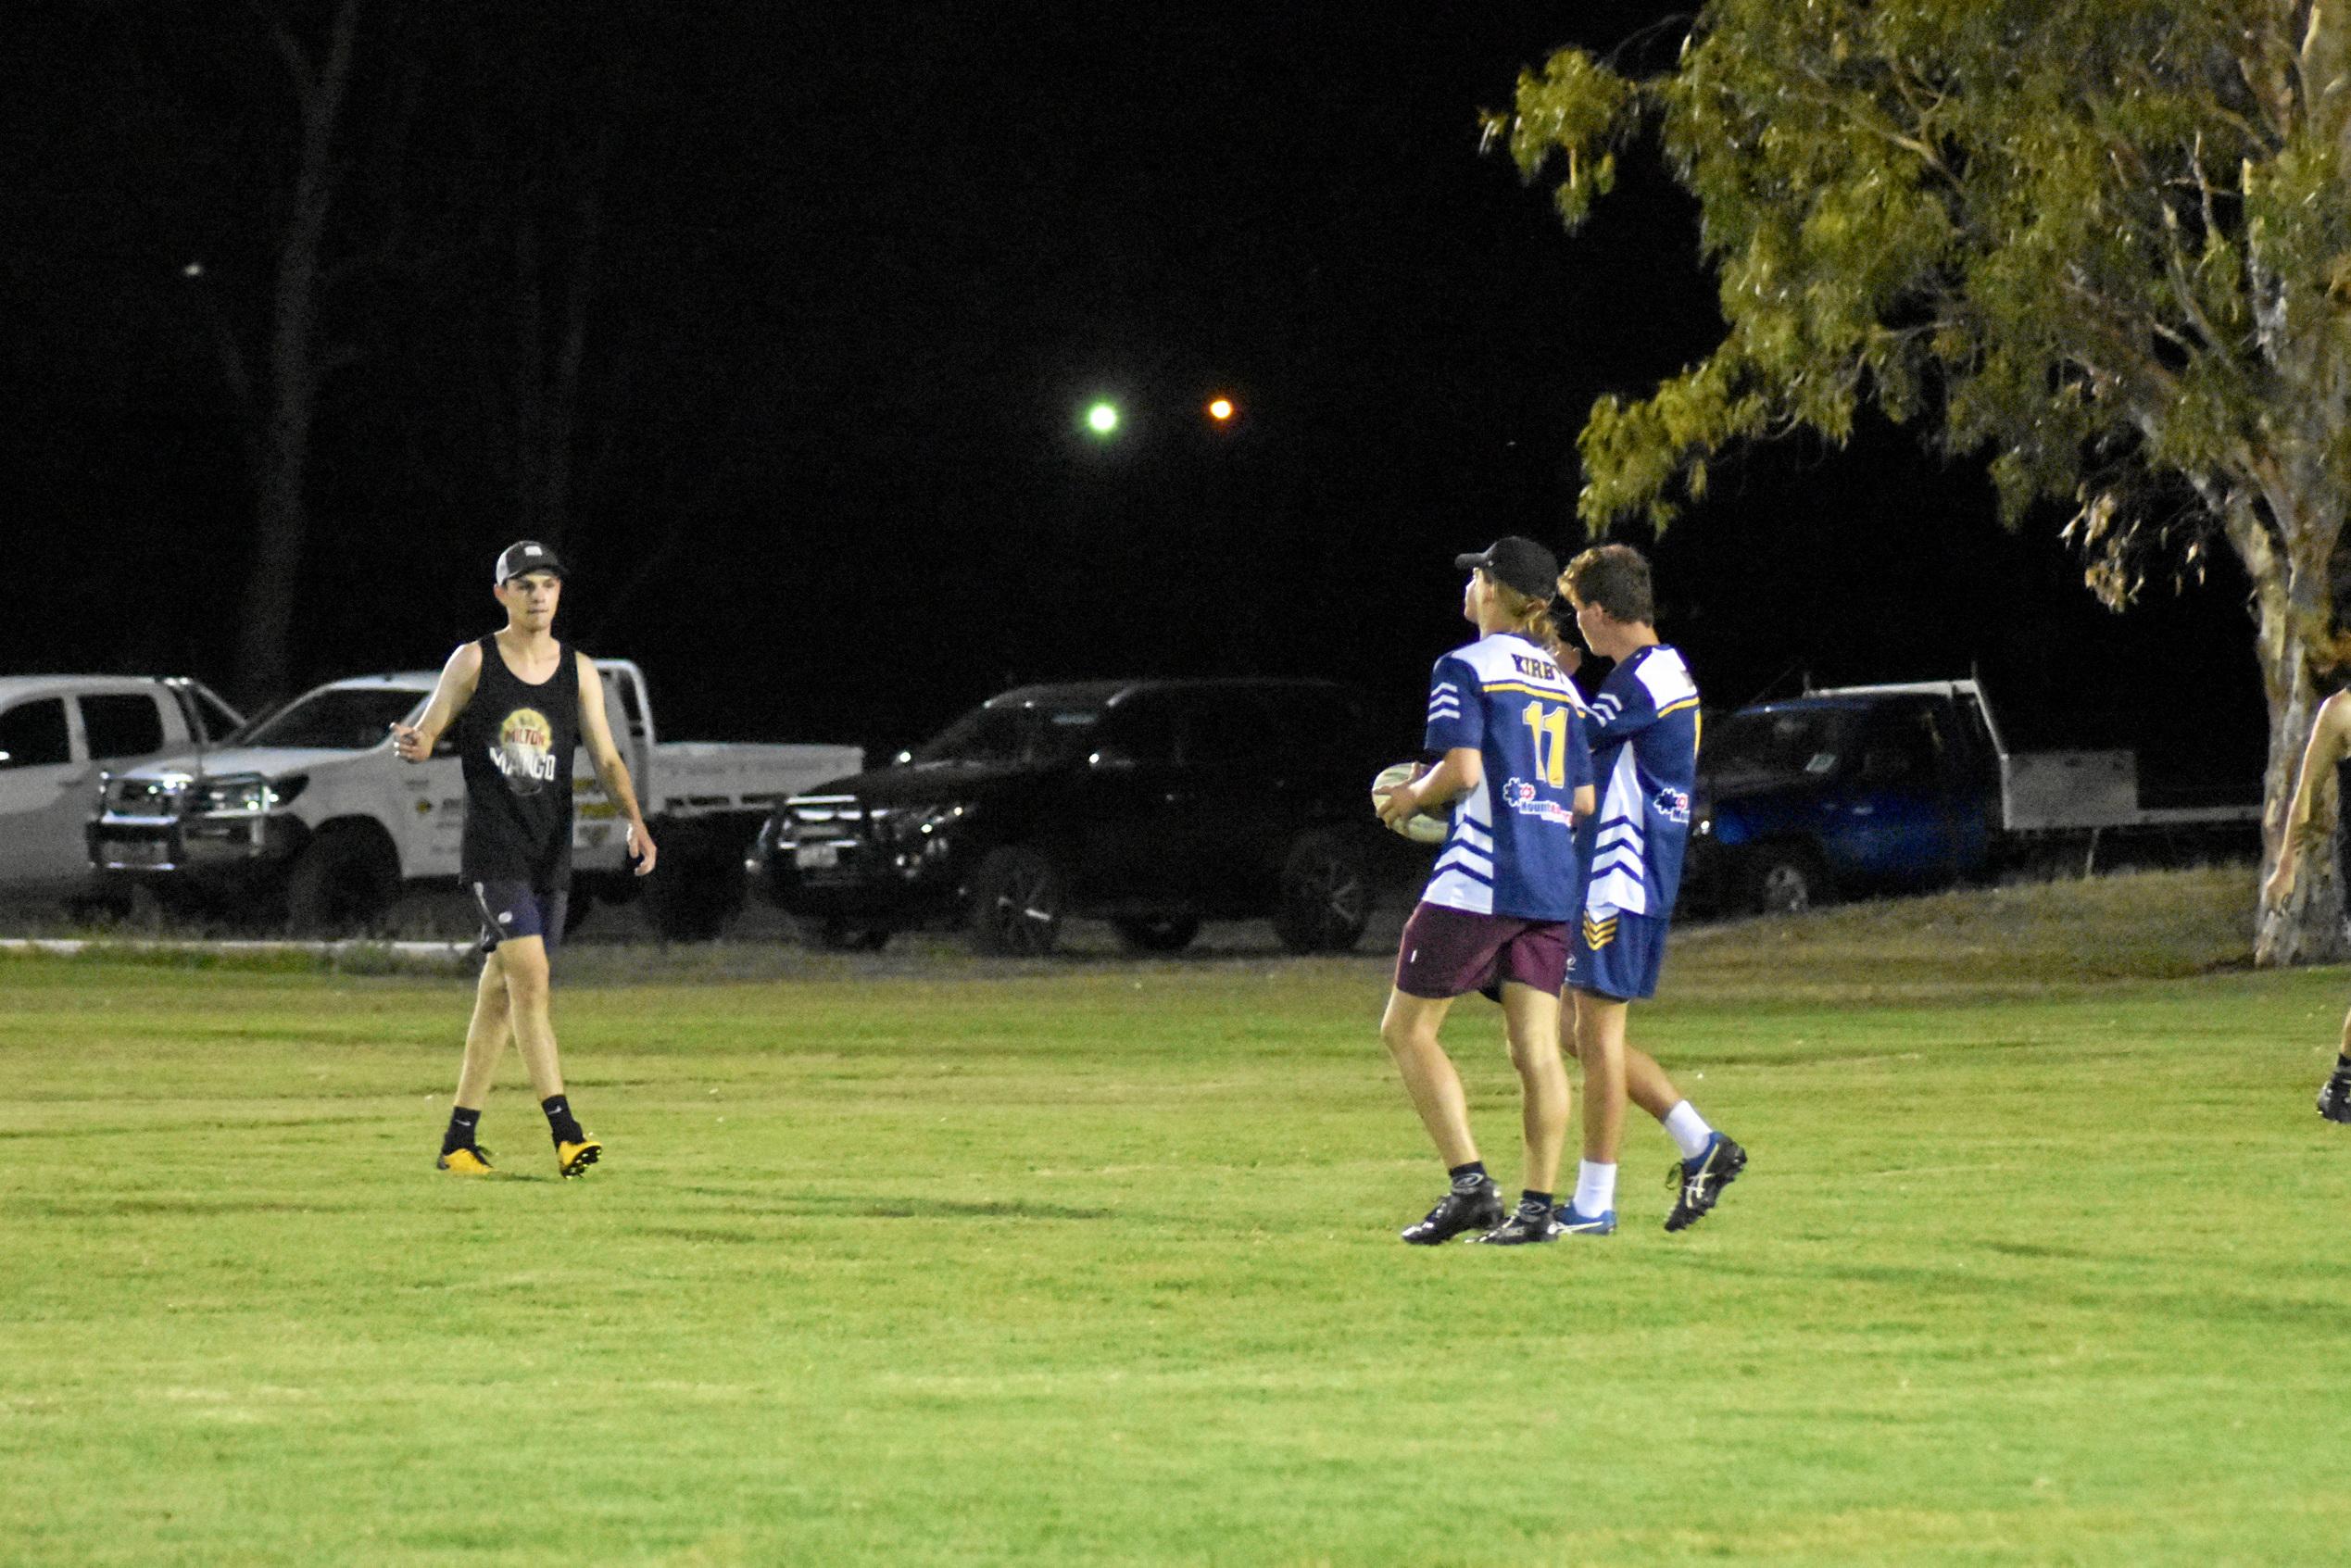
[(1508, 727)]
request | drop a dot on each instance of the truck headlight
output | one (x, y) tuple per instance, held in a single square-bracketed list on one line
[(244, 795)]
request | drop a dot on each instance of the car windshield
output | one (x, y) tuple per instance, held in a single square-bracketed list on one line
[(338, 718), (1761, 745), (1032, 733)]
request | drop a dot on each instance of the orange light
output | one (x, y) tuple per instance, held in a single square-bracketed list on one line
[(1221, 410)]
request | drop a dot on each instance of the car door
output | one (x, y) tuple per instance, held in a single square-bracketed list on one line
[(1132, 838), (46, 792), (1231, 849), (1897, 821)]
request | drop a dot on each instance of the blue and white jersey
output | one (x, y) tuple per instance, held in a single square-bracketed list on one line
[(1644, 746), (1512, 850)]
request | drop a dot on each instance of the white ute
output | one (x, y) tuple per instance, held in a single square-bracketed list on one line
[(309, 811), (57, 732)]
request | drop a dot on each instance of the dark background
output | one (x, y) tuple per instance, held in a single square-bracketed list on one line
[(856, 271)]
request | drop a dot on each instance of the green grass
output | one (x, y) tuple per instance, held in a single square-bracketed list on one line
[(910, 1260)]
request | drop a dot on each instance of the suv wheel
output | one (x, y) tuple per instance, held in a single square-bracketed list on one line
[(344, 882), (1157, 933), (1325, 893), (1018, 898), (1785, 880)]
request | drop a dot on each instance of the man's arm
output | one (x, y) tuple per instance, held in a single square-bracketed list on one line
[(2330, 737), (609, 770), (451, 694)]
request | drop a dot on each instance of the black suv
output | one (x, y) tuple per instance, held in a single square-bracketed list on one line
[(1110, 798)]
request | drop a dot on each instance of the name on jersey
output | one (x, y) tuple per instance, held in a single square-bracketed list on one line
[(1527, 801), (1536, 668), (1672, 805)]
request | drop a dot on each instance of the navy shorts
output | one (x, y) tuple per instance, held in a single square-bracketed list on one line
[(1448, 953), (1617, 956), (516, 908)]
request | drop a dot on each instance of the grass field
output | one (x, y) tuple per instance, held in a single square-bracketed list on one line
[(911, 1260)]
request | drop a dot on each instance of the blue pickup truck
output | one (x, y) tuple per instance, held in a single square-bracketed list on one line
[(1898, 787)]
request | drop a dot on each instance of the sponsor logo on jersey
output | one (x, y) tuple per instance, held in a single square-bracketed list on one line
[(1527, 801), (1672, 804), (525, 752)]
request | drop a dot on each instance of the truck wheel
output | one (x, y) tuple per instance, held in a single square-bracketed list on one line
[(695, 888), (343, 883), (1157, 933), (834, 934), (1786, 880), (1326, 895), (1018, 898)]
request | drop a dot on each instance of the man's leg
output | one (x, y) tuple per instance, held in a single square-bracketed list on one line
[(1646, 1083), (1599, 1025), (1409, 1027), (1531, 1018), (1472, 1204), (527, 1004), (2334, 1095), (485, 1039)]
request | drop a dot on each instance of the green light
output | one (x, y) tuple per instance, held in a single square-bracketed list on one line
[(1102, 419)]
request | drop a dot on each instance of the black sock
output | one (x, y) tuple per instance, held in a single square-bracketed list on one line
[(2343, 1064), (463, 1124), (1469, 1175), (1533, 1202), (559, 1121)]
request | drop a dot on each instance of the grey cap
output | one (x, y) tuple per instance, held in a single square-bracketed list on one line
[(525, 555)]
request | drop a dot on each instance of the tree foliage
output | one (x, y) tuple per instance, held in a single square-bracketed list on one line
[(2104, 245)]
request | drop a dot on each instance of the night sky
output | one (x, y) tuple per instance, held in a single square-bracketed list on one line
[(850, 274)]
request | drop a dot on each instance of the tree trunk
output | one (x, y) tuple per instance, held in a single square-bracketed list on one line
[(282, 514), (2292, 607)]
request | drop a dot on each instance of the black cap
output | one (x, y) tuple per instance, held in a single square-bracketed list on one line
[(525, 555), (1516, 563)]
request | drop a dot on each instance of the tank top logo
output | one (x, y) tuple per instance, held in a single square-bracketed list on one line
[(525, 752)]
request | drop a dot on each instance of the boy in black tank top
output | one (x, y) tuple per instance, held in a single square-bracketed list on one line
[(521, 703)]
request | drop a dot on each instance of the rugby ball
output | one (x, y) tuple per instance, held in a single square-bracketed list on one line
[(1421, 827)]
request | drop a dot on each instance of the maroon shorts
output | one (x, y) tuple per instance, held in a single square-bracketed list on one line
[(1451, 952)]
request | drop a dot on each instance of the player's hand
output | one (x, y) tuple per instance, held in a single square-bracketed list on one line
[(409, 741), (641, 850), (1570, 659), (1398, 805), (2281, 880)]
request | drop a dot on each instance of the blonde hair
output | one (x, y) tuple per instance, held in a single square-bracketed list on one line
[(1530, 618)]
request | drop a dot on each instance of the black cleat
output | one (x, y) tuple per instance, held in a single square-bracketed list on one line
[(2335, 1097), (1526, 1225), (1473, 1209), (1697, 1183)]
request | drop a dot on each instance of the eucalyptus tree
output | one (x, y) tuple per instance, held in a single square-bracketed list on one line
[(2104, 243)]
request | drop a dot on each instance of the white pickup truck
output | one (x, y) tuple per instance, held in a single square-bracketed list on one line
[(308, 812), (57, 731)]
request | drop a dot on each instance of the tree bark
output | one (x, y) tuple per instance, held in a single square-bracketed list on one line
[(2292, 604), (280, 483)]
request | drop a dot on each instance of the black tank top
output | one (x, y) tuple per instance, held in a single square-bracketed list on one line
[(515, 742)]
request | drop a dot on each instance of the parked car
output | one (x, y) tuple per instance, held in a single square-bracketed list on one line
[(1902, 786), (1105, 798), (308, 813), (56, 733)]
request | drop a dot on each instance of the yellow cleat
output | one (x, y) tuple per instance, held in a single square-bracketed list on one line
[(574, 1159), (466, 1161)]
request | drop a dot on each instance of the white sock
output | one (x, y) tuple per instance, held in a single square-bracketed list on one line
[(1688, 1129), (1595, 1188)]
